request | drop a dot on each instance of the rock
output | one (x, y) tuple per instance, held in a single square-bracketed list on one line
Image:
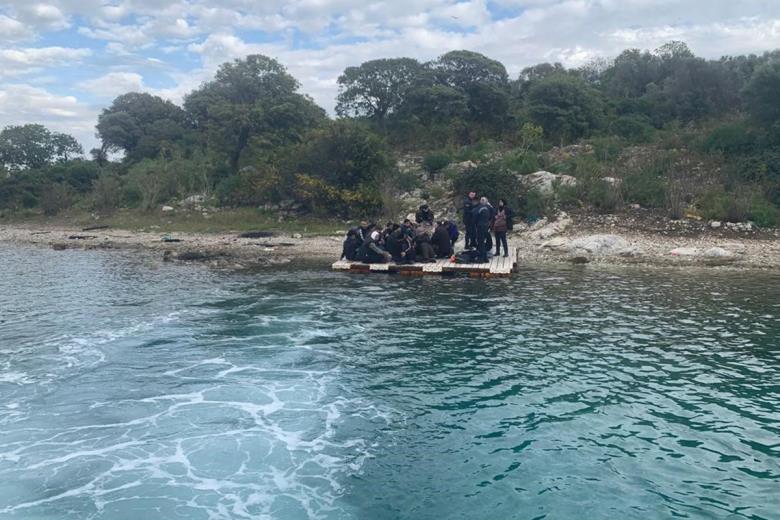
[(635, 206), (556, 243), (613, 181), (547, 230), (544, 181), (579, 260), (602, 245), (717, 252), (193, 200), (465, 165), (256, 234), (564, 153), (167, 208), (685, 251), (715, 224), (297, 235)]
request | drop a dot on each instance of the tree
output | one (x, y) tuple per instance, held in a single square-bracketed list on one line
[(566, 107), (762, 94), (140, 124), (376, 88), (251, 101), (484, 81), (34, 146)]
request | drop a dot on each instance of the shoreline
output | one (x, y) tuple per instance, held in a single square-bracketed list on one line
[(565, 241)]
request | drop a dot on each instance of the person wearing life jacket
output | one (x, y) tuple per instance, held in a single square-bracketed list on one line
[(500, 228), (370, 252), (351, 246), (442, 244)]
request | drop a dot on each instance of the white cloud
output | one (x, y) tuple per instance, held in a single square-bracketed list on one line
[(12, 30), (24, 60), (21, 104), (113, 84), (43, 16)]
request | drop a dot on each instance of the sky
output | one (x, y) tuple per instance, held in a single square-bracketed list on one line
[(62, 62)]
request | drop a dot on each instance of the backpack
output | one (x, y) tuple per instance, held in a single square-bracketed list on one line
[(499, 224), (466, 257)]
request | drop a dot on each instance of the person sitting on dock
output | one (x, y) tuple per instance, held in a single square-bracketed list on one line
[(370, 252), (351, 245), (424, 215), (424, 248), (452, 228), (442, 244)]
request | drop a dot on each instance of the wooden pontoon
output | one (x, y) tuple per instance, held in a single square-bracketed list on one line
[(498, 266)]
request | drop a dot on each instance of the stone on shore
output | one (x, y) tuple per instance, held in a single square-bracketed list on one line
[(602, 245), (544, 181)]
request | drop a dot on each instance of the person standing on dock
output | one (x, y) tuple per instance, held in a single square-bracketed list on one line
[(469, 204), (500, 227), (482, 216)]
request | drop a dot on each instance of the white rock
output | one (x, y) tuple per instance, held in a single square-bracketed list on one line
[(717, 252), (685, 251), (715, 224), (543, 181), (297, 235), (556, 243), (167, 208), (602, 245)]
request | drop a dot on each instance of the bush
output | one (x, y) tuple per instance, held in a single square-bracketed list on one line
[(478, 152), (107, 193), (522, 162), (730, 139), (321, 198), (634, 128), (534, 205), (490, 180), (55, 198), (604, 196), (647, 184), (250, 187), (436, 162)]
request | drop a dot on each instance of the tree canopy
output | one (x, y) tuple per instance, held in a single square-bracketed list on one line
[(35, 146)]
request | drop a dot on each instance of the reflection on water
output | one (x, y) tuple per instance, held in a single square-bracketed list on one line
[(131, 389)]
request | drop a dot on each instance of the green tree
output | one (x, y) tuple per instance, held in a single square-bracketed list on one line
[(762, 94), (251, 102), (140, 125), (566, 107), (376, 88), (34, 146)]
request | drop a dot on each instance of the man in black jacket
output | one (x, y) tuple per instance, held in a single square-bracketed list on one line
[(469, 203), (482, 215)]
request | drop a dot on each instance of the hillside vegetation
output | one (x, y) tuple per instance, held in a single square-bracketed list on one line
[(662, 129)]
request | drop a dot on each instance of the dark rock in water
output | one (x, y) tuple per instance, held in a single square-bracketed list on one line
[(59, 247), (579, 260), (93, 228), (257, 234), (81, 237), (198, 256), (169, 239), (167, 256)]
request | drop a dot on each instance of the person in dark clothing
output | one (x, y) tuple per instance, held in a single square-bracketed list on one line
[(510, 215), (424, 214), (500, 229), (351, 245), (482, 215), (408, 255), (442, 244), (452, 228), (370, 252), (469, 203), (424, 248)]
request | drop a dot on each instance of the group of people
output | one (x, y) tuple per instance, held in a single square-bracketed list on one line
[(426, 239)]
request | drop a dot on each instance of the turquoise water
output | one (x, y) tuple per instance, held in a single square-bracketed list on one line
[(132, 389)]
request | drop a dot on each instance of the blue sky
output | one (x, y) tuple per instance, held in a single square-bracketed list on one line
[(61, 62)]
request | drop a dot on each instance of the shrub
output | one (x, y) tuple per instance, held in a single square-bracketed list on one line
[(522, 162), (604, 196), (250, 187), (634, 128), (490, 180), (319, 197), (731, 139), (436, 162), (533, 205), (107, 193), (55, 198), (647, 184)]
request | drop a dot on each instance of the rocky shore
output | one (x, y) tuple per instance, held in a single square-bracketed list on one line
[(579, 239)]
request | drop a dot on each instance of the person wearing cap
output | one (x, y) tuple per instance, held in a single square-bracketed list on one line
[(370, 252), (424, 215)]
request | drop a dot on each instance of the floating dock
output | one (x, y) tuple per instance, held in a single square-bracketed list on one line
[(498, 266)]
